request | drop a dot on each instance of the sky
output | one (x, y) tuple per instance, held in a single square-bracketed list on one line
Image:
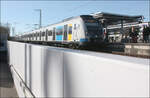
[(22, 14)]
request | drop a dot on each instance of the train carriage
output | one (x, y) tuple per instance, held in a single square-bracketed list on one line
[(42, 34), (78, 31), (38, 35), (33, 36), (49, 34)]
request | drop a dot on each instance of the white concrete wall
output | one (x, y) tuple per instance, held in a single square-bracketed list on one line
[(57, 72)]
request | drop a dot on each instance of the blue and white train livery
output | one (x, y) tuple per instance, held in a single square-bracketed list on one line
[(76, 31)]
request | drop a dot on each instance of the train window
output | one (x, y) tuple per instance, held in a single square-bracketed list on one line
[(59, 31), (46, 33), (65, 32), (50, 33), (43, 33), (70, 29), (75, 26), (38, 34), (34, 34), (29, 36), (89, 19)]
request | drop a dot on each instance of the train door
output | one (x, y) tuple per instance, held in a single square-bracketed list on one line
[(50, 35), (54, 33), (43, 35), (65, 32), (75, 32), (46, 35), (40, 35), (36, 36)]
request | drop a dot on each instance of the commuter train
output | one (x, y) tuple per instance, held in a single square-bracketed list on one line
[(77, 31)]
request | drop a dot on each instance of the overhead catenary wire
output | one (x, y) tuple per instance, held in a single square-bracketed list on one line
[(70, 11)]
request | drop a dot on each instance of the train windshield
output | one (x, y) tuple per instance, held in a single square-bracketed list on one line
[(93, 30), (92, 25)]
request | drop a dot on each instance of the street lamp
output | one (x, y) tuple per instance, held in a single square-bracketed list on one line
[(40, 20)]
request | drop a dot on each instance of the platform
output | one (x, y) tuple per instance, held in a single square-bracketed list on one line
[(138, 48)]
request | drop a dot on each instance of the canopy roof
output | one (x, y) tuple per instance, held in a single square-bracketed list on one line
[(111, 18)]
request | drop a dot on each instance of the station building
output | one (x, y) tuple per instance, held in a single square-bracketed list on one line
[(117, 27), (4, 33)]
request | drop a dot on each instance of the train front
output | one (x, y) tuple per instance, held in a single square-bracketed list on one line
[(93, 31)]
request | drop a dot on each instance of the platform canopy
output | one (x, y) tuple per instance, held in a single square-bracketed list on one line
[(113, 19)]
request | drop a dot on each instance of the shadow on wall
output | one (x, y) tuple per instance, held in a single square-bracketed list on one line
[(59, 73), (52, 70), (25, 63), (45, 74), (55, 73), (68, 82), (28, 66)]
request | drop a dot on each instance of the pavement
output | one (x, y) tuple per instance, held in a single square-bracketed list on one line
[(7, 87)]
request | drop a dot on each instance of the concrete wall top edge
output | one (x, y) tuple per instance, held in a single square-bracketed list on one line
[(108, 56)]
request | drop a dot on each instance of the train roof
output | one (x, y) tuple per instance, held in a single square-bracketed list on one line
[(67, 19), (76, 17), (70, 18)]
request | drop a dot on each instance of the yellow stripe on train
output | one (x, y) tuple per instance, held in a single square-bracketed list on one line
[(70, 24), (69, 36)]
